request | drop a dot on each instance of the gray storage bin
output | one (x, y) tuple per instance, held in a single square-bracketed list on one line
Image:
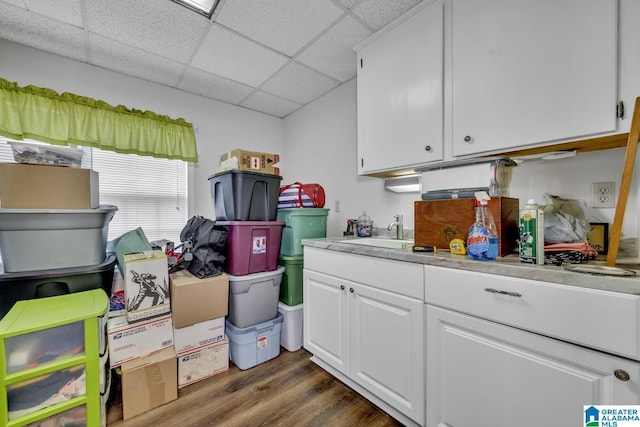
[(42, 239), (253, 298)]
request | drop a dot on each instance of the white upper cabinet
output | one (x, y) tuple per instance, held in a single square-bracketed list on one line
[(400, 92), (530, 72)]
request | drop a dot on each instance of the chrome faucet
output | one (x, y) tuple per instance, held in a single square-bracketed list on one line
[(399, 226)]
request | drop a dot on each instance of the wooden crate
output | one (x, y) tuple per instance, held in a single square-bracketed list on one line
[(437, 222)]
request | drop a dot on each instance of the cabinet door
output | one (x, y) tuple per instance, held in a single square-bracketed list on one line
[(400, 93), (529, 72), (387, 355), (326, 319), (478, 370)]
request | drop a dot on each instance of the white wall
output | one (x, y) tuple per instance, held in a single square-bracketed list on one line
[(320, 146), (219, 127), (317, 143)]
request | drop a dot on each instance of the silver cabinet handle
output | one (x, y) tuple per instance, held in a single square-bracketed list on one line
[(501, 292), (622, 375)]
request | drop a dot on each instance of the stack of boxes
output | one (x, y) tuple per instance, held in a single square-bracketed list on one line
[(300, 223), (245, 199), (53, 237), (172, 333)]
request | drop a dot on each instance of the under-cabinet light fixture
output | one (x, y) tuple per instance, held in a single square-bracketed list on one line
[(403, 184), (203, 7)]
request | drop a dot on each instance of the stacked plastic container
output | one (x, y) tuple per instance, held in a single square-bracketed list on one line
[(300, 223), (245, 202), (53, 230)]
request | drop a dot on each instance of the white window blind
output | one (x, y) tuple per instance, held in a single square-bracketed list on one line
[(150, 193)]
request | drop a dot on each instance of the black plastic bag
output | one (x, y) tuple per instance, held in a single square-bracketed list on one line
[(209, 242)]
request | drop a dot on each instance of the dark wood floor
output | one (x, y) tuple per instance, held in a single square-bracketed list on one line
[(289, 390)]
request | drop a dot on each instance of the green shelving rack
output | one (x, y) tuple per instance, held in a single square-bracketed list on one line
[(50, 352)]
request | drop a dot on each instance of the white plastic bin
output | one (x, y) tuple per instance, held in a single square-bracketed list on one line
[(291, 336)]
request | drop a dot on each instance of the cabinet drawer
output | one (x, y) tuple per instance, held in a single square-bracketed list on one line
[(404, 278), (44, 346), (35, 394), (603, 320)]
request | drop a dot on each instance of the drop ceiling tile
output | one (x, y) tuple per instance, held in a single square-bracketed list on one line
[(208, 85), (378, 13), (161, 27), (68, 11), (299, 83), (230, 55), (19, 3), (270, 104), (284, 25), (125, 59), (333, 52), (347, 3), (20, 26)]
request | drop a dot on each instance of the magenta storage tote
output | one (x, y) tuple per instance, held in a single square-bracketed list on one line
[(252, 246)]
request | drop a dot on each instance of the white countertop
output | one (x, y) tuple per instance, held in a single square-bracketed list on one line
[(509, 266)]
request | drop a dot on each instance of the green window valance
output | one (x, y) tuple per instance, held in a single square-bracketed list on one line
[(44, 115)]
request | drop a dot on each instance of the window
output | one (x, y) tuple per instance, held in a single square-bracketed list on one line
[(149, 192)]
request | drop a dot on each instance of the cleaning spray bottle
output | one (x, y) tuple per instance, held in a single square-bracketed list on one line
[(532, 233), (482, 240)]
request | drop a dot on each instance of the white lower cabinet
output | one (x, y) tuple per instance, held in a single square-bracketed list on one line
[(370, 338), (484, 373), (485, 366)]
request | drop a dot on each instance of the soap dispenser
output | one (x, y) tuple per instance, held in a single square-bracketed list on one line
[(364, 225)]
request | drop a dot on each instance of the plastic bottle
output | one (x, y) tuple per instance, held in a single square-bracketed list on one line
[(532, 233), (364, 225), (482, 240)]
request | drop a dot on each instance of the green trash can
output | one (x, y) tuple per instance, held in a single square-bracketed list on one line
[(291, 285)]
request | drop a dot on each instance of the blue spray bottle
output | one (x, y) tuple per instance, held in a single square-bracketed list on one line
[(482, 240)]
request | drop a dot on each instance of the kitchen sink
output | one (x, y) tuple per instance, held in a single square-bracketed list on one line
[(379, 242)]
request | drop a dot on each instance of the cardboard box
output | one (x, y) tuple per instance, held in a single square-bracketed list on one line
[(437, 222), (203, 363), (250, 161), (130, 341), (149, 382), (199, 335), (195, 300), (24, 186), (146, 285)]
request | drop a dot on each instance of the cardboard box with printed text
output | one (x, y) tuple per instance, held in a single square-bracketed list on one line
[(146, 285), (250, 161)]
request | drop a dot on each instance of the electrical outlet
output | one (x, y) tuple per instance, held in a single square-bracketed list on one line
[(603, 194)]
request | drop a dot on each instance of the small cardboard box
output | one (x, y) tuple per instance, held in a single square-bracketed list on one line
[(195, 300), (129, 341), (149, 382), (199, 335), (24, 186), (202, 363), (146, 285), (437, 222), (250, 161)]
